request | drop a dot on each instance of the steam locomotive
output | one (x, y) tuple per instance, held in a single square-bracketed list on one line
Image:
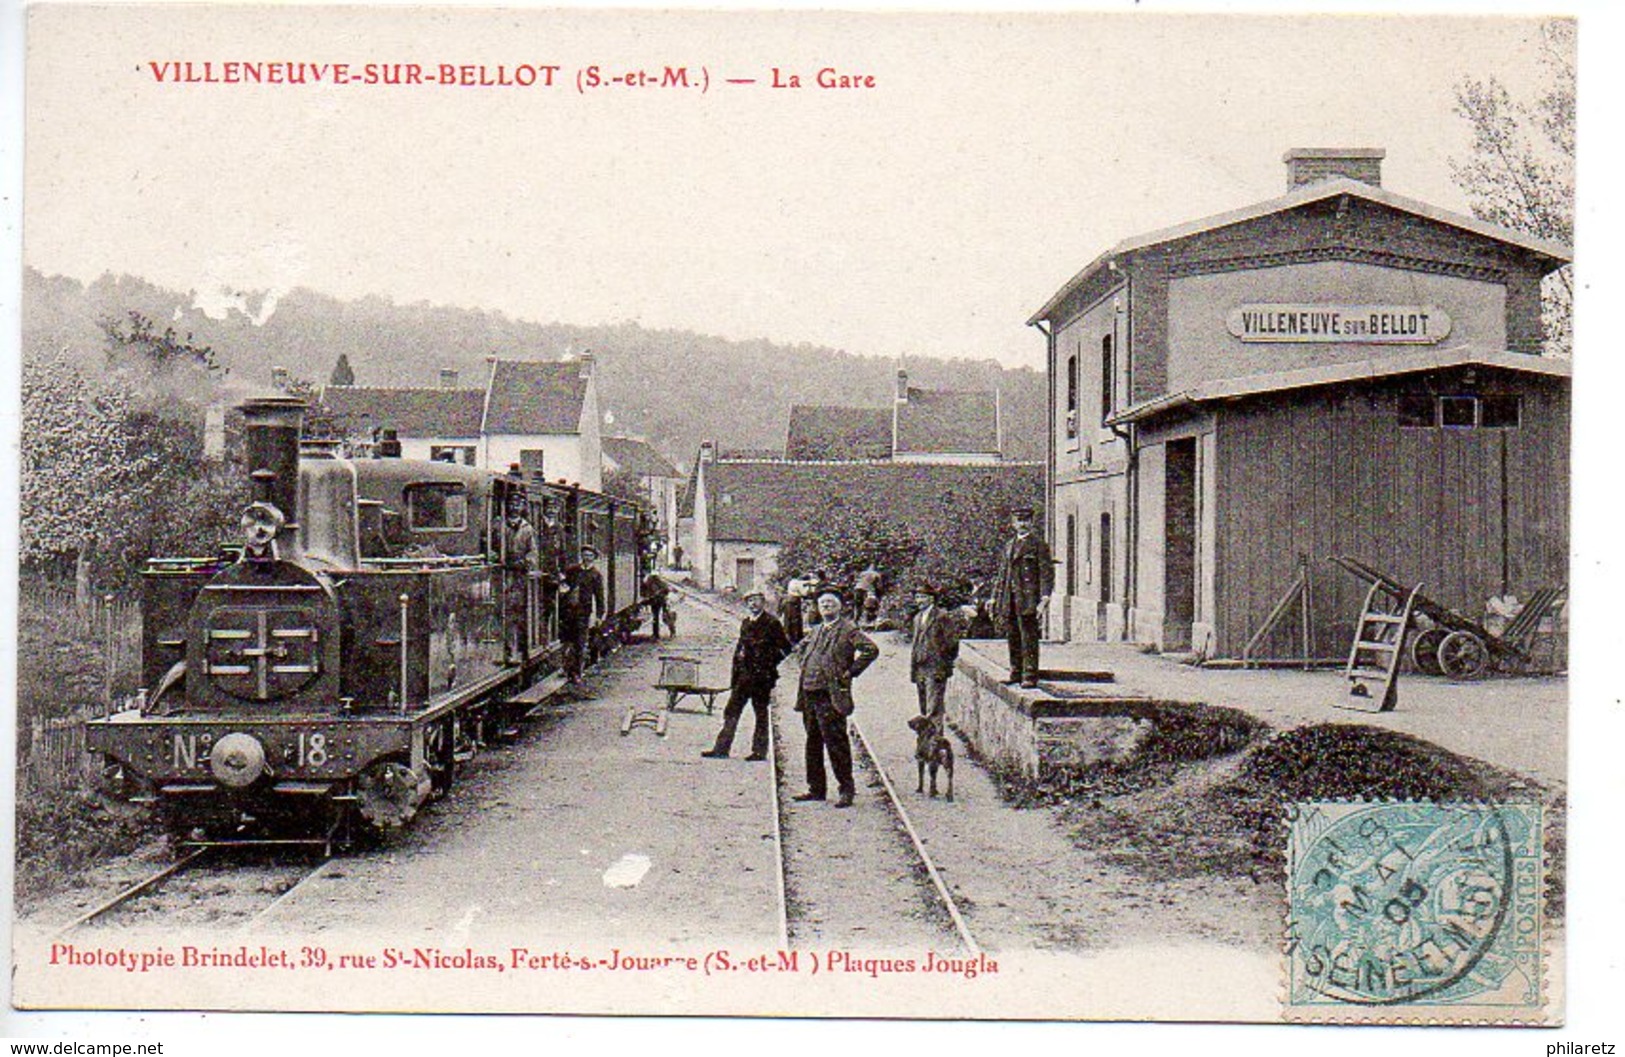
[(326, 676)]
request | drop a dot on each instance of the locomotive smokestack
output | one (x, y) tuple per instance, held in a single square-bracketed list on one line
[(271, 428)]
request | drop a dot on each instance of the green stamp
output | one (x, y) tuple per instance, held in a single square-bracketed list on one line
[(1414, 904)]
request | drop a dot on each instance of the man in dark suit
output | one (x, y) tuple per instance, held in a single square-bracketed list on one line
[(581, 608), (1021, 595), (836, 653), (936, 647), (762, 645)]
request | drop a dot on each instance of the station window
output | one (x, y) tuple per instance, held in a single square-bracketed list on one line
[(1421, 410), (1108, 379), (1498, 412), (437, 507), (1416, 410), (1072, 397)]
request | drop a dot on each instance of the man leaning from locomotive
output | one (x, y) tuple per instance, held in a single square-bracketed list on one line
[(519, 561)]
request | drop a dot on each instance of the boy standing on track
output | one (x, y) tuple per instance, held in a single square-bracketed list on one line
[(837, 653), (762, 646)]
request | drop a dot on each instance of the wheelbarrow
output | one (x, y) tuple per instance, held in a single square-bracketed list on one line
[(1455, 646)]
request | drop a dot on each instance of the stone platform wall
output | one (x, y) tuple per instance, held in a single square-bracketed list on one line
[(1061, 724)]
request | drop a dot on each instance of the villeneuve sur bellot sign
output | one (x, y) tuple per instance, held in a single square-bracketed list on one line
[(1365, 324)]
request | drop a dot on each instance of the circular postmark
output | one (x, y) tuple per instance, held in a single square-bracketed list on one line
[(1391, 903)]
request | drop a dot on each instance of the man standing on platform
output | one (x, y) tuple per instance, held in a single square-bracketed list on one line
[(837, 653), (1021, 595), (762, 645), (936, 647)]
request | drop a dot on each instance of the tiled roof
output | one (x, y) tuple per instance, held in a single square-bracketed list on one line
[(945, 422), (768, 502), (535, 397), (838, 432), (1551, 254), (450, 413), (638, 457)]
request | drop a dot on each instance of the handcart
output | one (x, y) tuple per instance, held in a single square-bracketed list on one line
[(1455, 646)]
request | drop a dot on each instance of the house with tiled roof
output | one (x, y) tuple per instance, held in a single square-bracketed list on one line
[(838, 433), (921, 425), (530, 412), (944, 425), (549, 407), (744, 511), (431, 422), (658, 481), (740, 508)]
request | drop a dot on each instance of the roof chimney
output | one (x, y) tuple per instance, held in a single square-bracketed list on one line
[(708, 451), (586, 364), (1306, 165), (448, 378), (279, 378), (902, 386)]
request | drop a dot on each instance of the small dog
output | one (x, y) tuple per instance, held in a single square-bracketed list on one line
[(932, 750)]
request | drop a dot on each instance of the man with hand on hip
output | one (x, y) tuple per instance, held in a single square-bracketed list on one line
[(836, 653)]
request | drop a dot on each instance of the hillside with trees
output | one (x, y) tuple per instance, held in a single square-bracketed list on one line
[(675, 387)]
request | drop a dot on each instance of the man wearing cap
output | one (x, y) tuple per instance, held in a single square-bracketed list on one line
[(519, 561), (935, 648), (762, 645), (656, 595), (836, 653), (1021, 595), (581, 607)]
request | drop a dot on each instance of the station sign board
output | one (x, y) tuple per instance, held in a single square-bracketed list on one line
[(1360, 324)]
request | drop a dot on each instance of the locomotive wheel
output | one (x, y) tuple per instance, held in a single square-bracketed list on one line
[(1463, 655), (1425, 650), (440, 756)]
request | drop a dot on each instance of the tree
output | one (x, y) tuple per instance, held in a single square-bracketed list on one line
[(160, 351), (1520, 173), (342, 373)]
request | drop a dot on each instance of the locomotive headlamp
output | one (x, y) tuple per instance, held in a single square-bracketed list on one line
[(260, 523), (237, 760)]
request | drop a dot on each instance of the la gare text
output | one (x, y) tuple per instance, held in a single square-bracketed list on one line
[(827, 77)]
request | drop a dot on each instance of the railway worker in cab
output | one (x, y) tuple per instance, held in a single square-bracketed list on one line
[(836, 653), (762, 646), (581, 608), (519, 561)]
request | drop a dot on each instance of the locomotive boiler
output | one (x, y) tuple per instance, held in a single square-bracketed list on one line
[(365, 636)]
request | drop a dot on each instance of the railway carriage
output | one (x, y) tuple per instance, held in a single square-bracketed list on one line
[(339, 663)]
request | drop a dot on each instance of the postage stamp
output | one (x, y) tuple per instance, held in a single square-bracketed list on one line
[(1405, 911)]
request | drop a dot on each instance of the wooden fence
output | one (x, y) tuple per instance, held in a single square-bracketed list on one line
[(51, 752), (53, 756)]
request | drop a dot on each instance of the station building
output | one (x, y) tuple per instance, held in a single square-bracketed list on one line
[(1337, 371)]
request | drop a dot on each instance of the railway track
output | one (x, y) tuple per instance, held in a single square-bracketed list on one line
[(214, 886), (815, 903)]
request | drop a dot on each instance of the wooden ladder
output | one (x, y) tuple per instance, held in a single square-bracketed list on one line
[(1379, 638)]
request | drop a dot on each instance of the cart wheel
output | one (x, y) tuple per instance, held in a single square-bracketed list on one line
[(1425, 650), (1463, 655)]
